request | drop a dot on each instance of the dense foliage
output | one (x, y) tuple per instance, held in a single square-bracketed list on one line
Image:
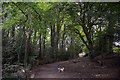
[(42, 32)]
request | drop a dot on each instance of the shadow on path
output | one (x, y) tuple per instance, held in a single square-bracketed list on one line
[(82, 68)]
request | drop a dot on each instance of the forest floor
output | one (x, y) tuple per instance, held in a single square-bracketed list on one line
[(81, 67)]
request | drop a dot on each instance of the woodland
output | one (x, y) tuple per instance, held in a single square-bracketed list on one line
[(38, 33)]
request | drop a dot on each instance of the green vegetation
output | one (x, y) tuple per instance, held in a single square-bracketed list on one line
[(38, 33)]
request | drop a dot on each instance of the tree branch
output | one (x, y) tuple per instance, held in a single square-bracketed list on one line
[(77, 32), (37, 13), (22, 12)]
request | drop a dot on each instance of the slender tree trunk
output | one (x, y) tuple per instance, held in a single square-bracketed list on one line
[(29, 45), (34, 42), (63, 40), (26, 50), (111, 44), (118, 19), (52, 35), (44, 42), (13, 31), (110, 33), (57, 38), (71, 48), (100, 43), (54, 38), (53, 42), (8, 32), (24, 42), (40, 50), (44, 49)]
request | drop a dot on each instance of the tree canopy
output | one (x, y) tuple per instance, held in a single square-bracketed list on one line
[(44, 32)]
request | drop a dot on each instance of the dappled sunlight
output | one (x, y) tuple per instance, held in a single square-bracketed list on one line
[(60, 40), (82, 54)]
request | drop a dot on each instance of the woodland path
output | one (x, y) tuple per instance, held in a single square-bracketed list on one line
[(82, 68)]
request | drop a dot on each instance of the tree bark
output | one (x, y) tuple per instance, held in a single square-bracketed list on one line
[(63, 39), (110, 35), (40, 50), (58, 35), (44, 37), (52, 35), (26, 50), (13, 31), (87, 33), (34, 42)]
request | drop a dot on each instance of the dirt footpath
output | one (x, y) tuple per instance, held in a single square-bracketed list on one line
[(77, 68)]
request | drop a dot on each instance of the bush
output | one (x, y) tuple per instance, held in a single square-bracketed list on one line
[(116, 49)]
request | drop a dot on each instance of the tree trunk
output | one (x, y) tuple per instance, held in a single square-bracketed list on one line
[(110, 35), (118, 19), (34, 42), (44, 37), (40, 52), (8, 32), (52, 39), (57, 38), (26, 50), (52, 35), (13, 31), (44, 42), (87, 33), (63, 40)]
